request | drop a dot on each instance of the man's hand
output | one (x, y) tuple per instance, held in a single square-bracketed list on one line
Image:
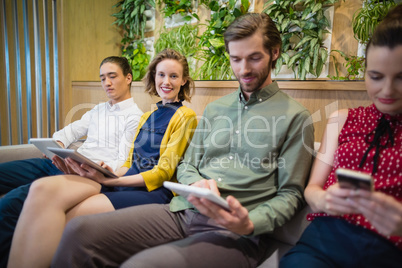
[(236, 220), (384, 212)]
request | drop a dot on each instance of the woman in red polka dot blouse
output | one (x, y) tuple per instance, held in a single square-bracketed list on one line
[(358, 228)]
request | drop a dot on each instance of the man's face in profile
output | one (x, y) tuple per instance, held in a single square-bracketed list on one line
[(251, 63)]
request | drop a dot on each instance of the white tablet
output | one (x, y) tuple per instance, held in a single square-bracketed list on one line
[(64, 153), (43, 143), (186, 190)]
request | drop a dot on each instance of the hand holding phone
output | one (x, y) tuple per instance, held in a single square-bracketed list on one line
[(351, 179)]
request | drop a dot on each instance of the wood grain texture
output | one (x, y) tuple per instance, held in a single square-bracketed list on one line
[(321, 102)]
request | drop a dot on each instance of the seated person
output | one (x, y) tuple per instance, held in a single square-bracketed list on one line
[(249, 146), (103, 142), (160, 141), (360, 228)]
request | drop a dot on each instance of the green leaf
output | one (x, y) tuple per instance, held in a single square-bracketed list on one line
[(303, 41), (217, 42), (317, 7)]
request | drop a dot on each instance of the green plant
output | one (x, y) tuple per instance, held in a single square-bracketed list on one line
[(367, 18), (138, 58), (212, 54), (302, 25), (355, 66), (183, 7), (131, 18), (182, 38)]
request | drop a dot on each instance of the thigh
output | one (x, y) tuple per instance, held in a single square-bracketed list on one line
[(16, 173), (123, 199), (98, 203), (64, 191), (108, 239), (207, 249)]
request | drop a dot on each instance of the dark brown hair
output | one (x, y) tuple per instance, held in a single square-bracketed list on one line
[(121, 61), (248, 24), (389, 32), (186, 90)]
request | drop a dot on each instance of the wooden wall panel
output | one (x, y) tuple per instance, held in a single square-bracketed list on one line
[(321, 99), (88, 38)]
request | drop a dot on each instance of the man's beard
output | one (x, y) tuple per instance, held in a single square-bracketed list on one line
[(261, 77)]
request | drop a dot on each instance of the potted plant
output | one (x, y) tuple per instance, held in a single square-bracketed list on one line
[(182, 8), (183, 39), (138, 58), (212, 56), (367, 18), (303, 26), (132, 17)]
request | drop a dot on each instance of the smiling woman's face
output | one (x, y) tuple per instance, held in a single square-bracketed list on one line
[(168, 80), (384, 78)]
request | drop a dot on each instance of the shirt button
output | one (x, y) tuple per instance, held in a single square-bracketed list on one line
[(260, 100), (237, 131), (219, 179), (246, 107), (231, 157)]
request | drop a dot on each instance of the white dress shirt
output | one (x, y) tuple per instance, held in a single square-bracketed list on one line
[(109, 131)]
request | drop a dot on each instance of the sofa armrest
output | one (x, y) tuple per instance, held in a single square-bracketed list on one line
[(26, 151), (19, 152)]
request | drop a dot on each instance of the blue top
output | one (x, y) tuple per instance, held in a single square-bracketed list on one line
[(147, 144)]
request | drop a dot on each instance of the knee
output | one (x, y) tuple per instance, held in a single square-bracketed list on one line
[(48, 186)]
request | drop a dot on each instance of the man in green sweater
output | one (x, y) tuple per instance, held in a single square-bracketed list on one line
[(249, 147)]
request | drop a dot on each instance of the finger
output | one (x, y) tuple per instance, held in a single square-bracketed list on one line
[(213, 187)]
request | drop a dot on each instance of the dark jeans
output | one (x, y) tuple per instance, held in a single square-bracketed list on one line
[(331, 242), (17, 173), (15, 179)]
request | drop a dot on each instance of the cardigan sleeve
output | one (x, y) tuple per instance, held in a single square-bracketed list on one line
[(174, 143)]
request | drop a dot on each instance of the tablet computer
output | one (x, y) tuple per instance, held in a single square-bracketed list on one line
[(43, 143), (186, 190), (64, 153), (352, 179)]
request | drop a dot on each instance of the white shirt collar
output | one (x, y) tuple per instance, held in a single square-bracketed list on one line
[(120, 105)]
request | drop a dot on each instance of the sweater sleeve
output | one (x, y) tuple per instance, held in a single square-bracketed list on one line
[(174, 143)]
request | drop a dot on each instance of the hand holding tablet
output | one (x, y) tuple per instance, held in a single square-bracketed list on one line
[(64, 153), (43, 143), (186, 190)]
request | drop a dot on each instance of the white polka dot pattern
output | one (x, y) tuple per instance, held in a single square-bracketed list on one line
[(352, 146)]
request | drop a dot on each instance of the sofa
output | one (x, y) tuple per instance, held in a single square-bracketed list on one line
[(281, 240)]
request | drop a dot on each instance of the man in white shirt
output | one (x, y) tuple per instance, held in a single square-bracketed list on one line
[(109, 129)]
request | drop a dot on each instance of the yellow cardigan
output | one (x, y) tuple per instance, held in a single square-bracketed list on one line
[(174, 143)]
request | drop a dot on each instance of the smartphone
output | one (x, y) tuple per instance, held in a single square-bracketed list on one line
[(352, 179)]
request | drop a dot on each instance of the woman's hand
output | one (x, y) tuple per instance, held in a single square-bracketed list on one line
[(87, 171), (336, 201), (383, 211), (235, 220), (62, 165)]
